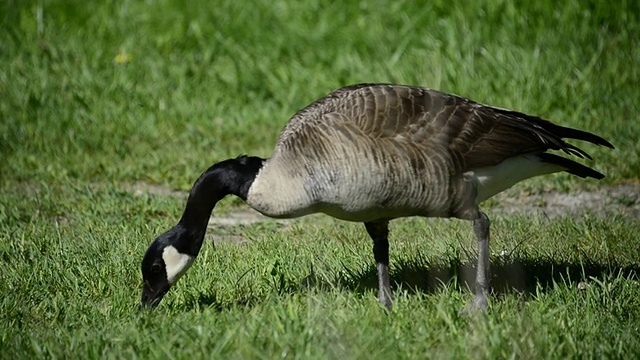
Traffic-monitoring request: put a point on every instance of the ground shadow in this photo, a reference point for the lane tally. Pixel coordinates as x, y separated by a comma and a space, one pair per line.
523, 276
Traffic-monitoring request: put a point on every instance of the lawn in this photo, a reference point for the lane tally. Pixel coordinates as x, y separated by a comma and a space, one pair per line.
110, 110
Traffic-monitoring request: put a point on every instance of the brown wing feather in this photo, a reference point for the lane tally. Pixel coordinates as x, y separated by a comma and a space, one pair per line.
475, 135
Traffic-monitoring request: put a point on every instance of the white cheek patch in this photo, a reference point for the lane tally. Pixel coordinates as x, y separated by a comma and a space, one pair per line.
175, 263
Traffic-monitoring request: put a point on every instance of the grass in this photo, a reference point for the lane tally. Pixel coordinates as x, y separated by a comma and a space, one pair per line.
96, 97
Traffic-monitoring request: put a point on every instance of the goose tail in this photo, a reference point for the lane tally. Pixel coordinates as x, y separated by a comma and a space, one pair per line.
570, 166
553, 134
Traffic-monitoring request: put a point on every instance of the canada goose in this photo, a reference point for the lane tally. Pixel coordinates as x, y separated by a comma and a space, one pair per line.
372, 153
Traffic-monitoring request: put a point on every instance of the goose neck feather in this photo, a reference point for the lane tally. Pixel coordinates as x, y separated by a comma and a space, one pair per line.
232, 176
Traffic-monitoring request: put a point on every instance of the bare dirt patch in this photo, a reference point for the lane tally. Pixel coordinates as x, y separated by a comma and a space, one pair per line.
245, 216
621, 199
242, 217
143, 188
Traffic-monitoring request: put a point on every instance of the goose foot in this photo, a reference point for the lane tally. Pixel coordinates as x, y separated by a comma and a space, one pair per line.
379, 232
481, 303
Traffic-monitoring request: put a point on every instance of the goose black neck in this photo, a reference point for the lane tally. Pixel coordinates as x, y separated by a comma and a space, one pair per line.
232, 176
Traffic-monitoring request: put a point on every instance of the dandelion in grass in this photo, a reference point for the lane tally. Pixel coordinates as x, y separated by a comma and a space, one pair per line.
122, 58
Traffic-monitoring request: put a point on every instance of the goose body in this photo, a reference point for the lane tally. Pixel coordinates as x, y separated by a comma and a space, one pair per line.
368, 152
372, 153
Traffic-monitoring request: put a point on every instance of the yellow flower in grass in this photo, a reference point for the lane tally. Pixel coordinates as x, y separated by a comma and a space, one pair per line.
122, 58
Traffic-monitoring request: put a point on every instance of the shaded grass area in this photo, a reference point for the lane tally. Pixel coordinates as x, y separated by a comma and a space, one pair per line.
96, 96
525, 276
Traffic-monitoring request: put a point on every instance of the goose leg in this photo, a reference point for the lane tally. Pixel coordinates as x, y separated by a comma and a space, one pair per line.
483, 287
379, 232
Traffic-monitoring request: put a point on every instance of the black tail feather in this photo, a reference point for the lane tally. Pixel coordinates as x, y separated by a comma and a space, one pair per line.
570, 133
547, 128
570, 166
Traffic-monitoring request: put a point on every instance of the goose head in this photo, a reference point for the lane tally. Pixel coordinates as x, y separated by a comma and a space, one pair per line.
168, 257
172, 253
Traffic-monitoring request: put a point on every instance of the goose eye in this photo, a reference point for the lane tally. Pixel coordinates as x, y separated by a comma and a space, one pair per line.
156, 268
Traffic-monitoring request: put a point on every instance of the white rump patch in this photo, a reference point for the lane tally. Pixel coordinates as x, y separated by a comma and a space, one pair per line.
175, 263
494, 179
